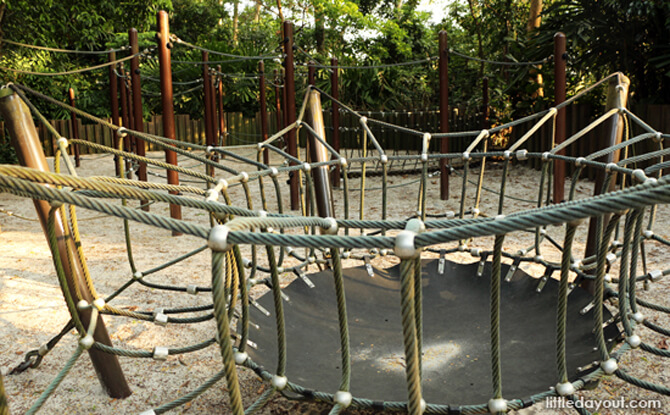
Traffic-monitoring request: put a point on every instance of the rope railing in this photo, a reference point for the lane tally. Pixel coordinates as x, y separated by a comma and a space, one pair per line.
50, 49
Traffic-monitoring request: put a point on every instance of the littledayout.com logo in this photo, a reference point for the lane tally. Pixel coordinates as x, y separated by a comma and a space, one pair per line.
559, 402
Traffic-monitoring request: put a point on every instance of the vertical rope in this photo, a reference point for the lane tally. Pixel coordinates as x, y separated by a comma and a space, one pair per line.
56, 382
279, 312
562, 306
412, 372
418, 310
496, 373
624, 267
342, 319
633, 260
223, 328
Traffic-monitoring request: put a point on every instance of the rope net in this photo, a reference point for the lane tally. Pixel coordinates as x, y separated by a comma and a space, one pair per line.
255, 241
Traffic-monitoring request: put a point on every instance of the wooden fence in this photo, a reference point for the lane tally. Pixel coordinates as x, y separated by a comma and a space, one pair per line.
246, 130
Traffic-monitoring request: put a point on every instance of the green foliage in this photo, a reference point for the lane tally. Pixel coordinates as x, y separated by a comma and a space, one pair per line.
615, 35
7, 153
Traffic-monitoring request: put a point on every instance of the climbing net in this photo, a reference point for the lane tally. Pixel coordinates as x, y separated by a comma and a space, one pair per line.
238, 234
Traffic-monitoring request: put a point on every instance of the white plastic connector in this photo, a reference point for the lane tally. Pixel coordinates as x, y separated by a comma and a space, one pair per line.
639, 175
121, 132
655, 275
538, 258
658, 136
476, 252
240, 357
634, 341
99, 303
244, 177
209, 150
610, 258
545, 155
148, 412
497, 405
404, 245
424, 157
332, 227
43, 350
306, 167
565, 389
501, 217
607, 278
279, 382
609, 366
465, 156
343, 162
507, 154
274, 172
192, 289
415, 225
161, 319
86, 342
450, 214
522, 155
383, 159
343, 398
82, 305
648, 234
222, 184
218, 238
160, 353
579, 161
62, 141
383, 252
637, 317
212, 195
610, 166
363, 120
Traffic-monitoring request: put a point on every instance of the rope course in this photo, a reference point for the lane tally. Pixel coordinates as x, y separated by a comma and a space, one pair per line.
255, 242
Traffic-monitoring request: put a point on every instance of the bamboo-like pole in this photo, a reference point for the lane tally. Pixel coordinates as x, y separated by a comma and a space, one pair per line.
335, 93
29, 150
264, 110
114, 105
560, 58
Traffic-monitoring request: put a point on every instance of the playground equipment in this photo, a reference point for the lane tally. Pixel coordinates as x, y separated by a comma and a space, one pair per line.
395, 338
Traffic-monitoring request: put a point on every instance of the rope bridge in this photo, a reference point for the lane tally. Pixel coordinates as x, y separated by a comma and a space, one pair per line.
251, 247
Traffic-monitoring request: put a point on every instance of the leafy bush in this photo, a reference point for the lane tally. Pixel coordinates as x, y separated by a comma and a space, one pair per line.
7, 153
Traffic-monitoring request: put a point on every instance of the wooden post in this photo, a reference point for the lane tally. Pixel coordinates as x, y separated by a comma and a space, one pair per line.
311, 73
165, 62
560, 58
207, 90
75, 128
125, 112
444, 112
289, 87
278, 114
319, 153
114, 106
617, 97
28, 148
264, 110
335, 92
222, 119
138, 117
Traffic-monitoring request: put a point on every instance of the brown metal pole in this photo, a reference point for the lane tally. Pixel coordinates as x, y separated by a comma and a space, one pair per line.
207, 82
138, 117
335, 93
28, 148
485, 102
283, 101
560, 58
617, 97
75, 128
125, 113
289, 87
278, 114
264, 110
311, 73
165, 62
444, 112
114, 106
319, 153
222, 118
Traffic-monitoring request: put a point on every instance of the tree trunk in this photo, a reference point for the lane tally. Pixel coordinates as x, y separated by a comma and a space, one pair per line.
257, 14
534, 20
319, 27
280, 12
236, 19
477, 20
